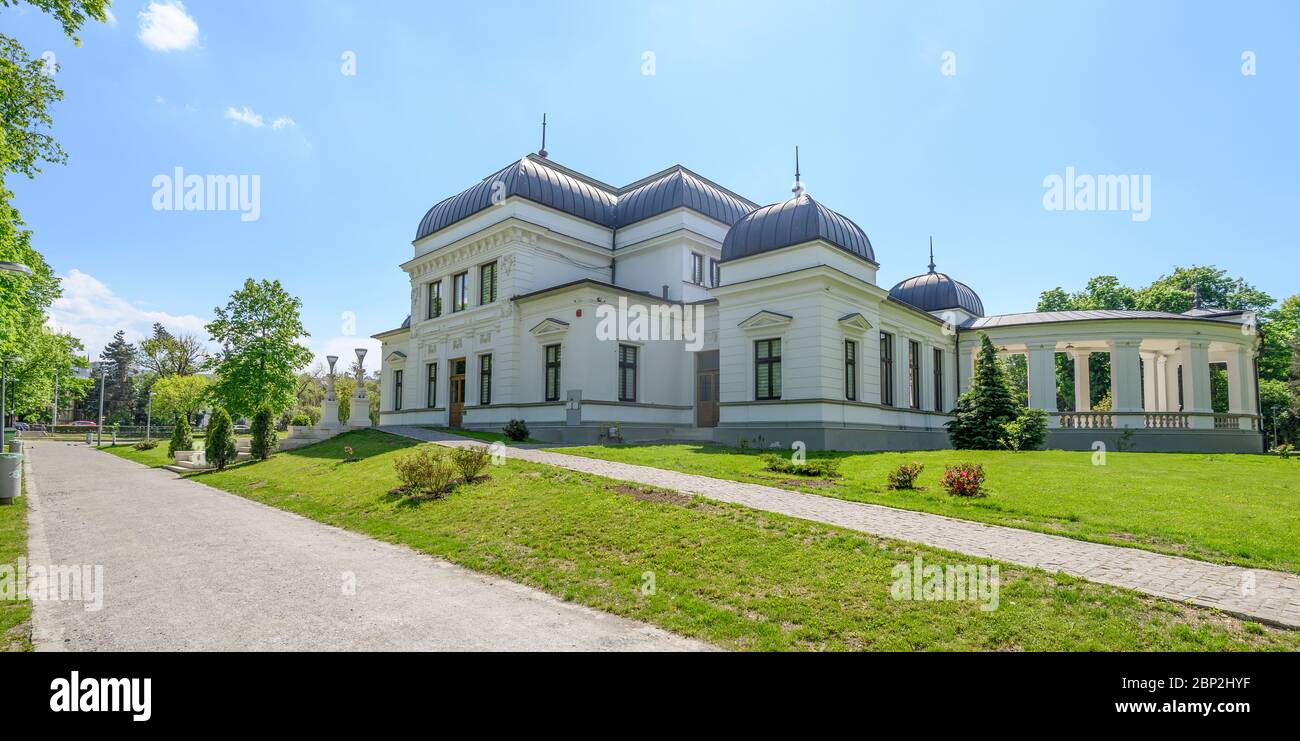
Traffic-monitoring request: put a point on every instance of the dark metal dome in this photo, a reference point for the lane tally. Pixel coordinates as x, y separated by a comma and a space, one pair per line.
532, 178
678, 188
936, 292
798, 220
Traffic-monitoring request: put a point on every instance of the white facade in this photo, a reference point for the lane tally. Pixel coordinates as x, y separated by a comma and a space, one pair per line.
858, 368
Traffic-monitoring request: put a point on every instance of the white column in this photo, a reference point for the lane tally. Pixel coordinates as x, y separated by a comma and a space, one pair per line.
1162, 382
1125, 380
1241, 386
1042, 376
1196, 381
1148, 380
1173, 361
1082, 381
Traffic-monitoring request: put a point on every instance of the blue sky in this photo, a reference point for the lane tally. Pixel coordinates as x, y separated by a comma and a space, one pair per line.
444, 94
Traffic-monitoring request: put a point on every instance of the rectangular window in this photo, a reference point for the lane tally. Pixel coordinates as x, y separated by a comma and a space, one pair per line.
767, 369
487, 283
435, 300
397, 390
459, 291
914, 373
433, 385
886, 369
697, 268
627, 372
938, 379
850, 370
485, 379
552, 356
715, 273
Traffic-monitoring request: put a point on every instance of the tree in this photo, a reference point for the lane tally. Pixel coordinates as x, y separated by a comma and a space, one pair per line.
1278, 403
264, 440
258, 331
46, 355
180, 395
986, 406
172, 355
181, 438
219, 447
117, 362
1281, 327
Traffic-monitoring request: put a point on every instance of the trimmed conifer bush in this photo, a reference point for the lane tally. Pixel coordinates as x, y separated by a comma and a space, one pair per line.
182, 439
264, 439
220, 444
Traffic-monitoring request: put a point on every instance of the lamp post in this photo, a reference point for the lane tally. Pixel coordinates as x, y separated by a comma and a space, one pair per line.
148, 418
1276, 411
4, 393
99, 427
14, 268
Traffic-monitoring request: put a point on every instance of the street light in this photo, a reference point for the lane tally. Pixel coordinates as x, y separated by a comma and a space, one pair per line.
14, 268
99, 428
148, 419
1276, 412
4, 390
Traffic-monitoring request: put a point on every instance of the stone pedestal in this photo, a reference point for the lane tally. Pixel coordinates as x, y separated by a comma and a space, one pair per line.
358, 412
329, 415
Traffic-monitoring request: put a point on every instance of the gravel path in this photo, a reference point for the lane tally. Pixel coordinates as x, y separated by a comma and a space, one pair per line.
190, 568
1257, 594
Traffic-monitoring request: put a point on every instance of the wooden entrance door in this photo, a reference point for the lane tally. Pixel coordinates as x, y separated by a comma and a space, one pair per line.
456, 392
706, 389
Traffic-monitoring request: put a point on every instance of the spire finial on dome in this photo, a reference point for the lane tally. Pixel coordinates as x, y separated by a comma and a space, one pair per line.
931, 253
798, 184
1196, 295
542, 152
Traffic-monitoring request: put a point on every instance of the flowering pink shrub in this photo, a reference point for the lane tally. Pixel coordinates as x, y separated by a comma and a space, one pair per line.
904, 477
963, 479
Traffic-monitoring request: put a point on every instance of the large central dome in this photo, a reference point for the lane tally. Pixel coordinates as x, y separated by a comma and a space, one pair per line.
798, 220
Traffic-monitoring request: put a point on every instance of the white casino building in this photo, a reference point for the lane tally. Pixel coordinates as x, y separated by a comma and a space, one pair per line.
510, 280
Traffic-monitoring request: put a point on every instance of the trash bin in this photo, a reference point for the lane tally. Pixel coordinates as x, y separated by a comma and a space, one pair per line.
15, 446
11, 476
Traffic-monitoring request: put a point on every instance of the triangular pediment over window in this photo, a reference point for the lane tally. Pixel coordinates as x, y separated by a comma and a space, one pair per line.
855, 321
550, 326
766, 320
395, 356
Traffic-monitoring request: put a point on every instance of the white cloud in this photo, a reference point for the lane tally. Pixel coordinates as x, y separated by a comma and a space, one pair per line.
284, 122
108, 16
92, 312
246, 116
165, 26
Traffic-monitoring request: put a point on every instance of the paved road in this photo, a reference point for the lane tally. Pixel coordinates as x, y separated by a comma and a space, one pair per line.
188, 567
1259, 594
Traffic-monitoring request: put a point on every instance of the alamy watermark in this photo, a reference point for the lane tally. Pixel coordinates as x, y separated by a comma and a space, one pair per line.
53, 583
1082, 192
949, 582
629, 322
181, 192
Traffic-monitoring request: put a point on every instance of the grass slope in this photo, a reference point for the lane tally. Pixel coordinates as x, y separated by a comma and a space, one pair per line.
15, 615
738, 577
1239, 509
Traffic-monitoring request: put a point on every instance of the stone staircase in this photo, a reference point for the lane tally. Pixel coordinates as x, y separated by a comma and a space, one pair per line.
196, 460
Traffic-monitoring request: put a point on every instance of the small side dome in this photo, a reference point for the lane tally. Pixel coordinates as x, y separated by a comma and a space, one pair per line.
933, 292
798, 220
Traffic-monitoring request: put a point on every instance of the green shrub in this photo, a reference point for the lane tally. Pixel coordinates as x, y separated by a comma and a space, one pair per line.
220, 444
826, 468
904, 477
470, 460
181, 437
1284, 451
300, 420
516, 429
963, 480
425, 470
146, 444
264, 438
1026, 432
986, 405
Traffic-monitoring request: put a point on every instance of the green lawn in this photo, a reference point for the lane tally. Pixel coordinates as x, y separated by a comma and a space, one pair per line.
741, 578
15, 615
1240, 509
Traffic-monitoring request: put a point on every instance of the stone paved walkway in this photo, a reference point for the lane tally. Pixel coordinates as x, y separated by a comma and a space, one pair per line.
187, 567
1257, 594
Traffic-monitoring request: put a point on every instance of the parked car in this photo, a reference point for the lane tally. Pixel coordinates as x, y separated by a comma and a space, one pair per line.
82, 423
241, 429
22, 426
